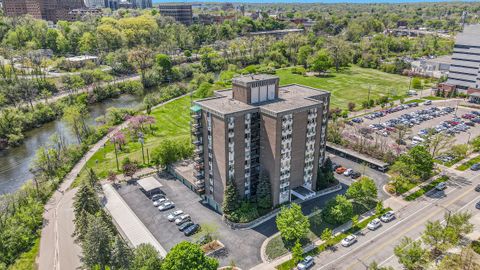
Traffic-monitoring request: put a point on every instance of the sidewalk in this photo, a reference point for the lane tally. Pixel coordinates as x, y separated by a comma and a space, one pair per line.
127, 222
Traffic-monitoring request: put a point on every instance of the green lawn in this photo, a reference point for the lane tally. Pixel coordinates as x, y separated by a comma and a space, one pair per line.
425, 189
433, 98
352, 84
172, 122
465, 166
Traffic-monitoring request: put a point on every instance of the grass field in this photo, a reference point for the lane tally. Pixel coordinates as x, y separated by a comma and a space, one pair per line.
172, 122
352, 84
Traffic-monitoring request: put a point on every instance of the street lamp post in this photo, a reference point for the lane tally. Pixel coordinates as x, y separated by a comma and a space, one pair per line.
141, 140
116, 153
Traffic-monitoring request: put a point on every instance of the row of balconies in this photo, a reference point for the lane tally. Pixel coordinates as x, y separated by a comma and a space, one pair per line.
284, 185
231, 125
198, 150
285, 175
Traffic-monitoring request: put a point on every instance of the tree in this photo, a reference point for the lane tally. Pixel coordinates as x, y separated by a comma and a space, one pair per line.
129, 167
327, 236
465, 260
339, 52
204, 90
231, 201
436, 142
321, 62
96, 244
142, 57
303, 54
338, 210
363, 192
418, 161
374, 266
264, 193
325, 175
351, 106
122, 255
416, 83
411, 254
297, 252
170, 151
435, 235
292, 223
186, 255
164, 62
379, 208
146, 257
85, 203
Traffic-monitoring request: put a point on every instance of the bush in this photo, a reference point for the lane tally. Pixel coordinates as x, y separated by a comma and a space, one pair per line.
247, 212
298, 70
338, 210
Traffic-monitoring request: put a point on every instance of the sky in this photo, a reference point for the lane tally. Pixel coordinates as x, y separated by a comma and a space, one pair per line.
314, 1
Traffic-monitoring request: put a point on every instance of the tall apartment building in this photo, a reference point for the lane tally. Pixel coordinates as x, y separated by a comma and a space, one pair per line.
112, 4
95, 3
464, 71
258, 128
50, 10
182, 13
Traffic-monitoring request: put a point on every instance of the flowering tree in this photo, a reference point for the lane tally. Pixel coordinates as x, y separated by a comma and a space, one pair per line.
138, 122
118, 139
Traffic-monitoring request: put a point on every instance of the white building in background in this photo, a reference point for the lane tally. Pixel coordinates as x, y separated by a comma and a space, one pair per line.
95, 3
464, 70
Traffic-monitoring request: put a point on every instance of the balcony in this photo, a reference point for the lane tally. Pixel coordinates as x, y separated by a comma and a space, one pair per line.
196, 125
197, 143
198, 151
231, 125
231, 134
199, 175
196, 132
201, 191
200, 183
198, 159
196, 116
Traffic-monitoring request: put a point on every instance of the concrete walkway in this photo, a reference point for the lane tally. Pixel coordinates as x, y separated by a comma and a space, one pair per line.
129, 224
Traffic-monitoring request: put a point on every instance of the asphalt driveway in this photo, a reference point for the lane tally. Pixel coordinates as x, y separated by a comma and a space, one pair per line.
242, 246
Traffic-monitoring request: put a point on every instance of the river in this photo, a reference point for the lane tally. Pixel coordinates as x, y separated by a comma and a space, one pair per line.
15, 162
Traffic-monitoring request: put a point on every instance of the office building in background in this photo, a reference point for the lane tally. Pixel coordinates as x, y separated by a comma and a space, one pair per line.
182, 13
50, 10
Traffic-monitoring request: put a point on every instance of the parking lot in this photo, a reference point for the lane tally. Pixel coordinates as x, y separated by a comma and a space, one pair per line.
243, 246
461, 123
380, 178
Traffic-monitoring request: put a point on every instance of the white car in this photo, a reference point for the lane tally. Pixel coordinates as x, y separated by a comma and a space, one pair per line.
305, 263
374, 224
166, 206
441, 186
348, 172
182, 219
387, 217
174, 215
159, 202
349, 240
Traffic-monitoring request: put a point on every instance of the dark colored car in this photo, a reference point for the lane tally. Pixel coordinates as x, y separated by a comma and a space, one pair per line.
477, 188
191, 230
355, 175
472, 124
185, 225
475, 167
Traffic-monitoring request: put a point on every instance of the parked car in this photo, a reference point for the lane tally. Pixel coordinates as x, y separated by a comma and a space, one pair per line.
348, 172
191, 230
355, 175
475, 167
185, 225
387, 217
182, 219
305, 263
477, 188
357, 120
349, 240
157, 197
477, 205
441, 186
174, 215
160, 201
428, 102
166, 206
374, 224
340, 170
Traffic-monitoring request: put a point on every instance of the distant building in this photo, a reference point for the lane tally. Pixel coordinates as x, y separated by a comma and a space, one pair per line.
182, 13
276, 33
141, 3
49, 10
112, 4
260, 129
464, 71
432, 67
79, 14
95, 3
211, 19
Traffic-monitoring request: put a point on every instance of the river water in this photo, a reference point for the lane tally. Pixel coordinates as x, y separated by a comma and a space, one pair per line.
15, 162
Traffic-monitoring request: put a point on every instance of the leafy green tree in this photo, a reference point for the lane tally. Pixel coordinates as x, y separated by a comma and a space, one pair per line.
264, 193
292, 223
325, 175
411, 254
418, 161
122, 255
374, 266
438, 237
416, 83
327, 236
303, 55
321, 62
96, 244
338, 210
170, 151
186, 255
297, 252
146, 257
129, 167
340, 52
231, 200
204, 90
363, 191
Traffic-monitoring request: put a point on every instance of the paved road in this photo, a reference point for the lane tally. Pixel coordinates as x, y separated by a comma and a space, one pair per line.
378, 245
58, 249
